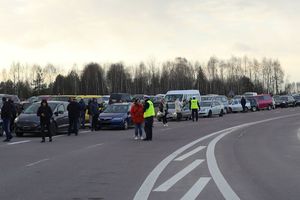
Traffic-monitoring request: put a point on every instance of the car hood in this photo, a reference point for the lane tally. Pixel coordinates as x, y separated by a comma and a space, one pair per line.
28, 118
112, 115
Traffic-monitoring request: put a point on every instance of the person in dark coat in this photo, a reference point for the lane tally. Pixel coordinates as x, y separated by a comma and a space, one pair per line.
6, 115
95, 113
243, 103
82, 113
74, 114
45, 113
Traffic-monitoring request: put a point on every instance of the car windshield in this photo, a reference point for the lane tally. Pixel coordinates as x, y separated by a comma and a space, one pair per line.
205, 104
235, 102
173, 97
284, 98
34, 108
206, 98
113, 108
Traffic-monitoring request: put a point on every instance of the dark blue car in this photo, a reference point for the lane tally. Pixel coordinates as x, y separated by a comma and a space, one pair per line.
116, 116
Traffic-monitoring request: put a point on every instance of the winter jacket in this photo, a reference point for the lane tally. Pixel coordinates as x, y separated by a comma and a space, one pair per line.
73, 110
6, 110
82, 106
45, 113
137, 113
94, 109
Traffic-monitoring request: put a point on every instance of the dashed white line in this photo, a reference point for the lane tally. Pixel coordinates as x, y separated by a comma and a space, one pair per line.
93, 146
196, 150
19, 142
197, 188
37, 162
177, 177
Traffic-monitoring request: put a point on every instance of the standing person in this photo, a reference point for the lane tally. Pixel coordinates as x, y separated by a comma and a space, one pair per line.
89, 108
13, 115
178, 108
82, 113
163, 108
137, 116
195, 108
149, 113
45, 113
243, 102
6, 115
95, 113
74, 114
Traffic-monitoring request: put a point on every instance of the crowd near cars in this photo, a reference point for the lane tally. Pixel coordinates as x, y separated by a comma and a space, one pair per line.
114, 109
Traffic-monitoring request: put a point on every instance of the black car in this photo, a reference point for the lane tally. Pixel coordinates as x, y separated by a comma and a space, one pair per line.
253, 103
287, 101
120, 98
297, 100
29, 122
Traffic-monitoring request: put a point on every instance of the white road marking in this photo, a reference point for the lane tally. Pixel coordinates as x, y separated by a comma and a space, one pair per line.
215, 172
20, 142
177, 177
35, 163
93, 146
181, 158
197, 188
146, 188
85, 132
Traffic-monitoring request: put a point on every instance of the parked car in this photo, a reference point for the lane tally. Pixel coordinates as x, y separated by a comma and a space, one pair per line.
236, 106
182, 95
253, 104
105, 99
264, 101
287, 101
210, 108
116, 115
297, 100
250, 94
185, 113
120, 98
29, 122
65, 98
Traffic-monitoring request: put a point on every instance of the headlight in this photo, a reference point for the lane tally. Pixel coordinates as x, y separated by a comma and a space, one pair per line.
16, 120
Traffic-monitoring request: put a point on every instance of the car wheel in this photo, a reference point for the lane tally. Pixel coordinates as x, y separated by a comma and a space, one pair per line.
254, 109
53, 129
269, 107
230, 110
221, 113
19, 134
209, 114
125, 125
246, 109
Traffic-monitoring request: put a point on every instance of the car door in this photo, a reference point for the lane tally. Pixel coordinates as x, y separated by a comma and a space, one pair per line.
214, 108
62, 120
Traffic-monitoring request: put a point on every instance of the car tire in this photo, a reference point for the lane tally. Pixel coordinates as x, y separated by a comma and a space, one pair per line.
19, 134
254, 109
209, 114
125, 127
230, 110
221, 113
269, 107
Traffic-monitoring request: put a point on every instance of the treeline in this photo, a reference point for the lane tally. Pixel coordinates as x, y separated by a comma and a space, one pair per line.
233, 76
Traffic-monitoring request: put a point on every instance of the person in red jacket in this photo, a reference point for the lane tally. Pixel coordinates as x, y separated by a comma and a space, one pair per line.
137, 116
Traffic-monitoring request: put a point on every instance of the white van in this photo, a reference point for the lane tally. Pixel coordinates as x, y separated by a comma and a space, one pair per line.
182, 95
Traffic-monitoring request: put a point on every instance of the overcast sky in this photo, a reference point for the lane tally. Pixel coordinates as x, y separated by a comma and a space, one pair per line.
64, 32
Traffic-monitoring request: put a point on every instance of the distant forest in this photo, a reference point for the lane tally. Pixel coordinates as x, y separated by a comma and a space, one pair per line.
229, 77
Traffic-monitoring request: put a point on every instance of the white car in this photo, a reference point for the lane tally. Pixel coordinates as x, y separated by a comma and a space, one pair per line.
236, 106
210, 108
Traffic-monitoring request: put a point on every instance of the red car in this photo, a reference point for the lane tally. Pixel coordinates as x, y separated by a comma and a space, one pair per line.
265, 101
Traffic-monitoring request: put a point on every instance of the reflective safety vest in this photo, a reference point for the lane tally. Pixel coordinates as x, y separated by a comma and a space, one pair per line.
150, 112
194, 104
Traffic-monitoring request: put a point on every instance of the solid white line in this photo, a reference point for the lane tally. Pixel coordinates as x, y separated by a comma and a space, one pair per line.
181, 158
177, 177
20, 142
35, 163
197, 188
146, 188
93, 146
215, 172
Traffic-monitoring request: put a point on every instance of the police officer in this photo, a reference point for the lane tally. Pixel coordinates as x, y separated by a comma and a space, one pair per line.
149, 113
195, 107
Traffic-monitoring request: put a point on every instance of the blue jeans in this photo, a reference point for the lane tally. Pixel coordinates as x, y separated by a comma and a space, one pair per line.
138, 129
6, 128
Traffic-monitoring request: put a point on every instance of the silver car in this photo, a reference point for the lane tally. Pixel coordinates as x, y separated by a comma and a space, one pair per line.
185, 113
210, 108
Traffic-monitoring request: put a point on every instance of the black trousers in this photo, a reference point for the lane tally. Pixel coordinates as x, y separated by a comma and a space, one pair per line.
73, 125
94, 122
148, 127
165, 121
46, 126
195, 114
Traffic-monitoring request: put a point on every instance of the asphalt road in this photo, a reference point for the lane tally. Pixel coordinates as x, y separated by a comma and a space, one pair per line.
238, 156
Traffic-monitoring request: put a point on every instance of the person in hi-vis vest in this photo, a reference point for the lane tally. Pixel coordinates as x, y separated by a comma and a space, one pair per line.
195, 106
149, 113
